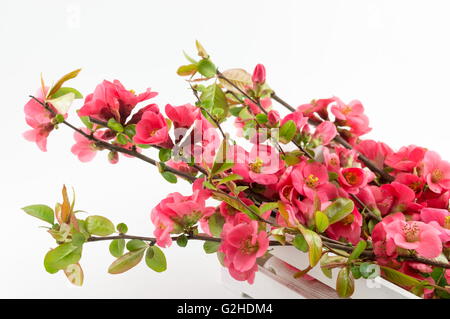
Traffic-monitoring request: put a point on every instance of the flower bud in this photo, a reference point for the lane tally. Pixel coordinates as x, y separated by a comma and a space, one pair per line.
259, 74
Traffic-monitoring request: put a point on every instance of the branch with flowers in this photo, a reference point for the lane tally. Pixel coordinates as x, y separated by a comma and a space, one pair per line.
308, 180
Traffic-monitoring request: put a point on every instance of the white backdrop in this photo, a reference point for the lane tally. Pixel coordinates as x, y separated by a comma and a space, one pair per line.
392, 55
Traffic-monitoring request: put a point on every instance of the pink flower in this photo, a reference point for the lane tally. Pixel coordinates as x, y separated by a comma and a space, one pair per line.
320, 106
112, 100
375, 151
176, 213
265, 103
152, 129
39, 119
273, 117
331, 160
352, 115
259, 74
439, 219
261, 165
413, 235
406, 158
354, 178
414, 182
242, 244
436, 172
182, 167
298, 118
348, 228
230, 213
183, 115
84, 148
325, 133
394, 197
310, 179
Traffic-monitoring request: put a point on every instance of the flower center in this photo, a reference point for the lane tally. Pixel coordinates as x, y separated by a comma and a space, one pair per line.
351, 178
347, 220
436, 176
447, 222
312, 181
346, 109
247, 247
153, 132
411, 232
415, 186
256, 165
333, 161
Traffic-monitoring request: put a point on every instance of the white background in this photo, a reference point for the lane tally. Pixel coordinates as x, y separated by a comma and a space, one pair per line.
392, 55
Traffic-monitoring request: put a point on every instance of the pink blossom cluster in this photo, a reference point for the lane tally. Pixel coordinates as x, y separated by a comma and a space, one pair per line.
413, 204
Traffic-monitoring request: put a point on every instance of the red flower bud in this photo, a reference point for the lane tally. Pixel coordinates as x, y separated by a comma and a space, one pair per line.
259, 74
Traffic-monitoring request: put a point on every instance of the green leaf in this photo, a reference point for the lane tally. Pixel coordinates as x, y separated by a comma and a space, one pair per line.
300, 243
230, 178
170, 177
99, 225
261, 118
339, 209
321, 221
74, 274
328, 262
78, 239
239, 78
215, 222
135, 244
209, 185
345, 284
122, 228
206, 68
189, 58
62, 256
268, 206
165, 154
115, 126
287, 131
236, 110
61, 81
362, 244
211, 247
314, 244
369, 270
155, 259
116, 247
43, 212
87, 122
126, 262
399, 278
122, 139
356, 272
214, 98
186, 70
182, 241
64, 90
130, 130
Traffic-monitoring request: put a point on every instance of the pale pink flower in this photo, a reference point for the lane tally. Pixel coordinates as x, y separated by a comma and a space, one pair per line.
325, 132
406, 158
183, 115
436, 172
439, 219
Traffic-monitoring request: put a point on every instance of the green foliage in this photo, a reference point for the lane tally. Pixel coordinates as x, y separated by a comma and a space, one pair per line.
61, 81
369, 270
211, 247
170, 177
314, 244
300, 243
182, 241
213, 98
230, 178
115, 126
206, 68
62, 256
186, 70
216, 222
117, 247
122, 228
345, 283
339, 209
360, 247
99, 225
155, 259
165, 154
136, 244
64, 90
321, 221
43, 212
126, 262
287, 132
